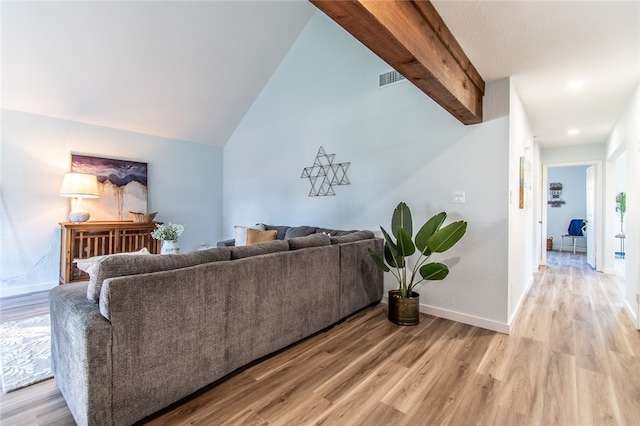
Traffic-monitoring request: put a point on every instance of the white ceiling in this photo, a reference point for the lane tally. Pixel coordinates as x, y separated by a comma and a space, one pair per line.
544, 45
191, 70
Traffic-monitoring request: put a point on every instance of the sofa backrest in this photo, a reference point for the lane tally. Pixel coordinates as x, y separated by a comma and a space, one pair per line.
313, 240
119, 266
257, 249
351, 237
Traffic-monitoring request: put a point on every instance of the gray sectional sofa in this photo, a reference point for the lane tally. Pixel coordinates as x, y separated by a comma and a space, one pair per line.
149, 330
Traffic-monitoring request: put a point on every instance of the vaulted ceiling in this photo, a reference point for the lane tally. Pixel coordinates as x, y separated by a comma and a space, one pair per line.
182, 70
191, 70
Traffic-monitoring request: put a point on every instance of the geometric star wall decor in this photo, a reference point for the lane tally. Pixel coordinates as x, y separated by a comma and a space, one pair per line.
324, 175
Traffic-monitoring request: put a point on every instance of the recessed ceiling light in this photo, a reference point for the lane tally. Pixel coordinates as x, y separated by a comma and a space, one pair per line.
573, 132
576, 84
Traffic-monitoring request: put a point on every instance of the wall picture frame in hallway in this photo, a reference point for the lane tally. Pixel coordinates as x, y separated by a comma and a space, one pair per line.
525, 183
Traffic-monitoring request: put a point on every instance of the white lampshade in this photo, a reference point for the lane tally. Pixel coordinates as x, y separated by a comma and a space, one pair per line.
83, 185
79, 185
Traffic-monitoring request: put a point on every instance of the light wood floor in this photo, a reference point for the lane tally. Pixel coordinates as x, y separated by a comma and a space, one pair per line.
572, 359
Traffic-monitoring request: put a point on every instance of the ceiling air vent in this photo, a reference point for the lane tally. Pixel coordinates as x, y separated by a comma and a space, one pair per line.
390, 77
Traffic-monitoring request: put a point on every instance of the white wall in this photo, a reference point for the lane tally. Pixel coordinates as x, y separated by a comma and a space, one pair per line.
522, 245
185, 186
402, 147
626, 137
574, 194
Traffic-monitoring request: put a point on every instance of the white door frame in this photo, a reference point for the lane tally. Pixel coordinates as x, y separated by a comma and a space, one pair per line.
598, 214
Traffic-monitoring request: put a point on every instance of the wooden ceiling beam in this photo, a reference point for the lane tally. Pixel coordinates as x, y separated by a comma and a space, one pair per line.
412, 38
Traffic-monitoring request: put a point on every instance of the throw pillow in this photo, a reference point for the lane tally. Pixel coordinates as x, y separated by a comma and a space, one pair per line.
240, 233
299, 231
282, 230
255, 236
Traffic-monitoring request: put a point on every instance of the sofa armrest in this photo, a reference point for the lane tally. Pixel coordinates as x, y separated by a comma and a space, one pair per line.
81, 342
226, 243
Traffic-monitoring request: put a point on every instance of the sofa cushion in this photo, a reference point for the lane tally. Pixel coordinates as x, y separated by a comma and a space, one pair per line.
333, 232
255, 236
354, 236
313, 240
282, 230
118, 266
240, 233
258, 249
299, 231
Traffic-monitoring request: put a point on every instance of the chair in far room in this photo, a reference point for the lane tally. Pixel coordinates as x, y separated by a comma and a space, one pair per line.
575, 231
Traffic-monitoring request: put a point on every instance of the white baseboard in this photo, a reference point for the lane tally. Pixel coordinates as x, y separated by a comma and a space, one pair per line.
460, 317
632, 315
518, 306
609, 271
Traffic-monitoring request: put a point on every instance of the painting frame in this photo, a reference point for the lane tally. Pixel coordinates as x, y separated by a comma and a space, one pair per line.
525, 183
122, 184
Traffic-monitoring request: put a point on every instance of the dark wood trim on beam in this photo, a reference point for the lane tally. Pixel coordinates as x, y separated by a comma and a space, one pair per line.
412, 38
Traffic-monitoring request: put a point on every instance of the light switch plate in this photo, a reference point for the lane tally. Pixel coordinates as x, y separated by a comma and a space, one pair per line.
458, 197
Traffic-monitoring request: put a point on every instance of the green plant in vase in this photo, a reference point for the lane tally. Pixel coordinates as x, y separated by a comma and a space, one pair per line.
621, 207
168, 234
399, 246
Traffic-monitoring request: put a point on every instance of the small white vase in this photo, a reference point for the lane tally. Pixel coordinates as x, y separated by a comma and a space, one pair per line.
170, 247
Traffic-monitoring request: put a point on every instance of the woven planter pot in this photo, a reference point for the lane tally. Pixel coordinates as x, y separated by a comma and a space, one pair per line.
404, 310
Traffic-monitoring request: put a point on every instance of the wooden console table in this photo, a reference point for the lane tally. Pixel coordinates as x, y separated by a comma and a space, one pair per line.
84, 240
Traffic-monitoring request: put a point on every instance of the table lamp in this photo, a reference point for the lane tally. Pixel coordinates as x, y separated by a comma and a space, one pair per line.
79, 185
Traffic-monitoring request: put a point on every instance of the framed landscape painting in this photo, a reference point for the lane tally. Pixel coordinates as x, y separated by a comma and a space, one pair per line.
122, 185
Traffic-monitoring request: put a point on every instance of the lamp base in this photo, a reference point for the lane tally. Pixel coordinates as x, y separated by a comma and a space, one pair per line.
79, 216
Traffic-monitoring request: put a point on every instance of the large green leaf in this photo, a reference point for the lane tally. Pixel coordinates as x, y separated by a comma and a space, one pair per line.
402, 219
393, 259
427, 230
405, 245
388, 241
378, 261
434, 271
445, 238
391, 254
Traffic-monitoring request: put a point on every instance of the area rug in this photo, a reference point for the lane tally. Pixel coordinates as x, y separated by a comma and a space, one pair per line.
25, 352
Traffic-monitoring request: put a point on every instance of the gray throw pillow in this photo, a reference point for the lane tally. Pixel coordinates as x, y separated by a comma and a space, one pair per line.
333, 232
282, 230
299, 231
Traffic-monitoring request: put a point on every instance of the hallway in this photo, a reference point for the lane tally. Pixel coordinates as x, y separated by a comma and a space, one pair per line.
574, 321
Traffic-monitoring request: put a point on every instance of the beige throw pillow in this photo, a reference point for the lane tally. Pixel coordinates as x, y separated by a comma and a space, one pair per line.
255, 236
240, 233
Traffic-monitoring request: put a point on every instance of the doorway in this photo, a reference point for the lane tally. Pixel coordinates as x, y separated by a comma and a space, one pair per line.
556, 225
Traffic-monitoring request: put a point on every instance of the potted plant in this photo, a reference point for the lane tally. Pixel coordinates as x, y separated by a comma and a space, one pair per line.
621, 207
169, 234
404, 302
